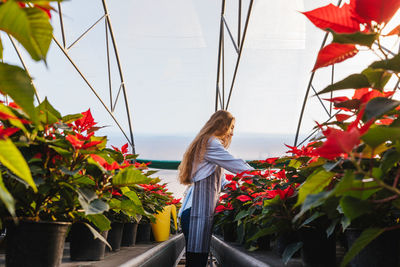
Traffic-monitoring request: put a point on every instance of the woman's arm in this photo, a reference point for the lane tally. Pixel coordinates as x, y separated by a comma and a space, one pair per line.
217, 154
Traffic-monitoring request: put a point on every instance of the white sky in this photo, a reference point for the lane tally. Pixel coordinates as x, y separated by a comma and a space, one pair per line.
168, 51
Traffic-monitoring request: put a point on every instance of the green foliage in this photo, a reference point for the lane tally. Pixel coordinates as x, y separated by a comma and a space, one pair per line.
353, 81
315, 183
16, 83
29, 26
365, 39
12, 158
365, 238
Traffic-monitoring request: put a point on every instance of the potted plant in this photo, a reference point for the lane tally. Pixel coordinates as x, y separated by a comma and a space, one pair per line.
359, 153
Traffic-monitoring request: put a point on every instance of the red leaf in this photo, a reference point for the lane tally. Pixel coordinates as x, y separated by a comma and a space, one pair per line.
338, 19
124, 148
86, 122
75, 142
6, 132
338, 143
336, 100
243, 198
334, 53
376, 10
342, 117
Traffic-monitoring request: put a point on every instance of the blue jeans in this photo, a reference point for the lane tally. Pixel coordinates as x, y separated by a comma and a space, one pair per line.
185, 220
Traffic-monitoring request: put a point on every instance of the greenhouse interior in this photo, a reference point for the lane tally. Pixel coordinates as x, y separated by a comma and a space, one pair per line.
200, 133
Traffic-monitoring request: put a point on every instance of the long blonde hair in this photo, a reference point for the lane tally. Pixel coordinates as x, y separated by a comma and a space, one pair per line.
217, 126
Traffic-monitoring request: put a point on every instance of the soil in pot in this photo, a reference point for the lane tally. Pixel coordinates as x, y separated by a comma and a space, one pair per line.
382, 251
114, 236
83, 246
318, 250
143, 233
38, 244
129, 234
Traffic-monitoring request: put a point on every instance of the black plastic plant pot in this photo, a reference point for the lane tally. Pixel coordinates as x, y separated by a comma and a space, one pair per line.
114, 236
285, 239
39, 244
382, 251
229, 232
318, 250
129, 234
143, 233
264, 242
83, 246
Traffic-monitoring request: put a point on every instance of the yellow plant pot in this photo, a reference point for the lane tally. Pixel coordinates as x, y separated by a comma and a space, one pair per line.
162, 225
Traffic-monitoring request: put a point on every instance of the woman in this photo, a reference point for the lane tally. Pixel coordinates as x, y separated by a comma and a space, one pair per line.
201, 166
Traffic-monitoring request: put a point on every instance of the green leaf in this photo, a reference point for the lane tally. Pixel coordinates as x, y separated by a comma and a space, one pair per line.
389, 160
354, 207
315, 183
353, 81
16, 83
7, 198
12, 158
97, 206
130, 176
380, 134
97, 234
71, 117
263, 232
15, 122
100, 221
313, 217
365, 39
134, 197
47, 113
129, 207
242, 214
377, 78
295, 163
290, 250
1, 49
61, 151
392, 64
30, 26
331, 228
379, 106
365, 238
312, 201
41, 30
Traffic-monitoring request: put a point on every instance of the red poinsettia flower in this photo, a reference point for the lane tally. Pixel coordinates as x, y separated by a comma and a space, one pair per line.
269, 160
243, 198
86, 122
376, 10
229, 177
7, 132
174, 201
338, 19
281, 174
340, 143
109, 167
283, 194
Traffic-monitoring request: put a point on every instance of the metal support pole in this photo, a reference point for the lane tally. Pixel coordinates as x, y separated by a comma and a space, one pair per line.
217, 92
240, 51
91, 88
121, 76
61, 24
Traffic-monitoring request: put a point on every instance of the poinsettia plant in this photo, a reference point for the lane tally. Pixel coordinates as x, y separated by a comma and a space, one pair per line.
359, 153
